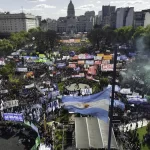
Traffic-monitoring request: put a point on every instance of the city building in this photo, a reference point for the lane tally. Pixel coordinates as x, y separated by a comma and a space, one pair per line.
142, 18
113, 20
107, 12
73, 24
49, 24
124, 17
17, 22
99, 18
139, 18
147, 19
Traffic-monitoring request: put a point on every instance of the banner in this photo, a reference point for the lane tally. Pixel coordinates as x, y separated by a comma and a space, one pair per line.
88, 56
97, 58
53, 105
82, 56
13, 117
71, 40
4, 91
80, 75
81, 62
86, 91
42, 56
15, 53
107, 67
10, 104
61, 65
100, 55
65, 58
72, 66
22, 69
107, 57
105, 61
2, 62
29, 86
89, 62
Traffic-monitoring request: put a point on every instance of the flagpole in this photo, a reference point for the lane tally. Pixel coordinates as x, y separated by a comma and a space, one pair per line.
112, 98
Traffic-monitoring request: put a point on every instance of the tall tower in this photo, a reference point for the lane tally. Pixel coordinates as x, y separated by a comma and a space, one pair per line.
71, 10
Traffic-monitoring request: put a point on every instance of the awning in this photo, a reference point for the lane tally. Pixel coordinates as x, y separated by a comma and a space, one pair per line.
92, 133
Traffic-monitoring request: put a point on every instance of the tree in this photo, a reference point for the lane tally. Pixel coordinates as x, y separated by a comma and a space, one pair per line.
96, 36
139, 32
8, 69
19, 39
6, 47
124, 34
46, 41
109, 35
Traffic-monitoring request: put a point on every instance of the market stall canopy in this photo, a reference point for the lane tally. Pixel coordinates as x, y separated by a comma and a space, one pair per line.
92, 133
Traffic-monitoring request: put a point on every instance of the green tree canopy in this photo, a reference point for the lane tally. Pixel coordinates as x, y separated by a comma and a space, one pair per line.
6, 47
19, 39
46, 41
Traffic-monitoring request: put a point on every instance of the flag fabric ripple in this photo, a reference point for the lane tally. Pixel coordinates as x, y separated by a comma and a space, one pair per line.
96, 105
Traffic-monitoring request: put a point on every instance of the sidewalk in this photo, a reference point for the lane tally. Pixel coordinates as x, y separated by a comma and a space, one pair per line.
124, 127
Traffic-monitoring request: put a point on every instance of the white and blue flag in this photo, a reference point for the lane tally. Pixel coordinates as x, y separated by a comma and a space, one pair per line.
96, 105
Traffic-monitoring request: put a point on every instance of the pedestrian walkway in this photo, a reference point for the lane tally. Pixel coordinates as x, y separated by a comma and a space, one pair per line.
133, 127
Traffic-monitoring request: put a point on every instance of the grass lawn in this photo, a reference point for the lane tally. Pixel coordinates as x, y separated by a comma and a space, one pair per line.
142, 131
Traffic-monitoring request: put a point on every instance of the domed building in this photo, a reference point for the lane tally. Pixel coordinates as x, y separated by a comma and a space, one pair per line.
72, 24
71, 20
71, 11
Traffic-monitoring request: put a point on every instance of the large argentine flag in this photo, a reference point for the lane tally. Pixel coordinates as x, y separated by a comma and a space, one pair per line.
96, 105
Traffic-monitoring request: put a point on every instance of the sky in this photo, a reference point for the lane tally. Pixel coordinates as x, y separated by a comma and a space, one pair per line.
58, 8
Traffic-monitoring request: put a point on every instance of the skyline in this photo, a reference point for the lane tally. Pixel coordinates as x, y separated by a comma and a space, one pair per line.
54, 8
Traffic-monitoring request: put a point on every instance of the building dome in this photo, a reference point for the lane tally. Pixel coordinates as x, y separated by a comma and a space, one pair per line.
71, 10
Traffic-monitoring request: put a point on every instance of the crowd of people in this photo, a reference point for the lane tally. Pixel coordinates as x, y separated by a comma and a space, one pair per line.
40, 95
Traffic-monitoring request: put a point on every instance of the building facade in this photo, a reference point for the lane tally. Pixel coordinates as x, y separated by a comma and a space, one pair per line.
49, 24
98, 18
139, 18
124, 17
10, 23
73, 24
107, 12
142, 18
